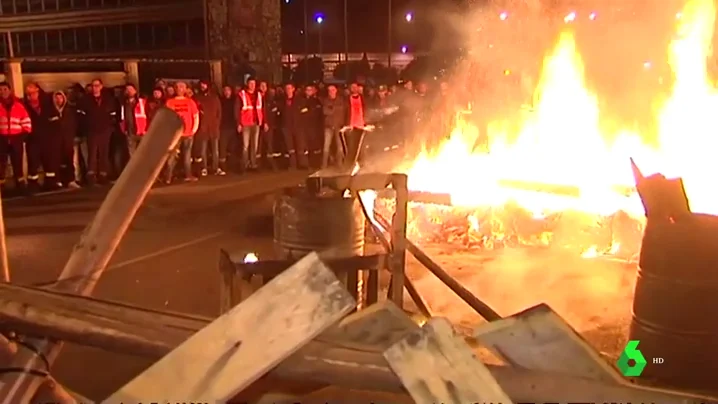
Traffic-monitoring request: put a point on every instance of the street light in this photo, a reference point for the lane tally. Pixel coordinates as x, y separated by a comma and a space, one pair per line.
409, 17
404, 49
319, 19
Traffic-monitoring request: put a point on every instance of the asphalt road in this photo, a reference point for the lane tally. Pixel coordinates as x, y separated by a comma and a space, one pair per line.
167, 260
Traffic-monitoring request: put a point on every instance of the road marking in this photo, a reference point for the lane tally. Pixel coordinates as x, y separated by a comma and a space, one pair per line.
166, 250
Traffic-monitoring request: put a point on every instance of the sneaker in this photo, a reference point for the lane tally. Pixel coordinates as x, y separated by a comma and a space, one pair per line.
220, 172
190, 179
203, 173
73, 185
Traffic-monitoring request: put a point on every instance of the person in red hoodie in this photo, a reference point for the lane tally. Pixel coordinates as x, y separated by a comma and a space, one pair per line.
188, 111
15, 125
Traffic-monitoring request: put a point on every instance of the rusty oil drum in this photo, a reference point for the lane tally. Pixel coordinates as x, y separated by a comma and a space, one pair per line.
675, 308
304, 222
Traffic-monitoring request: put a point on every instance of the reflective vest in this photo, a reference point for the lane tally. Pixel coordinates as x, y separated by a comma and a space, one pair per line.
15, 120
140, 117
356, 112
247, 115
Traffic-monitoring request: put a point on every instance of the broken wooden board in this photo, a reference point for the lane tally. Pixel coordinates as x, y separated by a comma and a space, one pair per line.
539, 339
239, 347
375, 328
437, 367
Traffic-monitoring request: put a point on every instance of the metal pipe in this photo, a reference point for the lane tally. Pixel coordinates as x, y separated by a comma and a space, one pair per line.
346, 41
97, 244
480, 307
4, 263
306, 39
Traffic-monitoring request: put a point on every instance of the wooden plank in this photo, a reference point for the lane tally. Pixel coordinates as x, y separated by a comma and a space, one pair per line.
228, 289
239, 347
373, 329
437, 367
320, 363
539, 339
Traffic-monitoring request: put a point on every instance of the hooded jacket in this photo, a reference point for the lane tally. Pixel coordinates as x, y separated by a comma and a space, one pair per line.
63, 117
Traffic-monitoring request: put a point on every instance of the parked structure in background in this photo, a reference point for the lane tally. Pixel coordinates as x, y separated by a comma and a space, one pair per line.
331, 60
245, 35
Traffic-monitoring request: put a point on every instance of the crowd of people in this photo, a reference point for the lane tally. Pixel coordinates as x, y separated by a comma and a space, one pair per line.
86, 135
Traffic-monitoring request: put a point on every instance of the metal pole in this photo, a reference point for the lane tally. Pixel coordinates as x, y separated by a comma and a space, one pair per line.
97, 244
4, 265
321, 52
10, 47
306, 40
346, 41
389, 35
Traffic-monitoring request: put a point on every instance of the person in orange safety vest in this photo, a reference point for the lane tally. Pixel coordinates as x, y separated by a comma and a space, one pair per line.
133, 118
250, 119
15, 125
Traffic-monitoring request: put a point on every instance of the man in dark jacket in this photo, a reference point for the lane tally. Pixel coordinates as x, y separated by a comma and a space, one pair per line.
64, 125
271, 114
294, 138
335, 113
208, 135
311, 123
39, 145
99, 110
228, 135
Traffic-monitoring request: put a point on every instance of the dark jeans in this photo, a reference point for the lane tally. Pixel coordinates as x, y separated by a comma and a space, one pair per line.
201, 152
267, 147
332, 137
12, 146
98, 154
182, 150
354, 144
296, 142
33, 152
227, 143
133, 142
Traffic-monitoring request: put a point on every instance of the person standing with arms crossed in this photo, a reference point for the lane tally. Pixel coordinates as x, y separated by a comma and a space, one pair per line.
188, 111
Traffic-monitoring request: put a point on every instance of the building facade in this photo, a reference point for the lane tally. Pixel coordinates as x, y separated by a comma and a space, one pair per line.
240, 33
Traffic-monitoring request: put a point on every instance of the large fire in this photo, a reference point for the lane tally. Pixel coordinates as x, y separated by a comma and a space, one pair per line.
562, 145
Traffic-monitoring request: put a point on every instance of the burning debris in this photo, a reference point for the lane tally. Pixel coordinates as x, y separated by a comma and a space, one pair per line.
559, 175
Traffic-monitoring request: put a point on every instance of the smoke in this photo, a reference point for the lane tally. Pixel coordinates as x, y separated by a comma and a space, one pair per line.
623, 44
588, 293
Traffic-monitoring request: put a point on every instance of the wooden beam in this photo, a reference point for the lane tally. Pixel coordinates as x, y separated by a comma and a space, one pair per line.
437, 367
98, 242
374, 329
239, 347
270, 268
483, 309
106, 325
539, 339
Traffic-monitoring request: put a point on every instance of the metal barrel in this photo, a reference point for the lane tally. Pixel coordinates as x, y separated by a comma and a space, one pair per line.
304, 222
675, 307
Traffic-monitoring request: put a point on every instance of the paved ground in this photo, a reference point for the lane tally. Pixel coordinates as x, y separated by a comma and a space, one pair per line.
167, 260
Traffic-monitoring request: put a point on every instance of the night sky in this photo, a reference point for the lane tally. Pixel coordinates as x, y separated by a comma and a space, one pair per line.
367, 25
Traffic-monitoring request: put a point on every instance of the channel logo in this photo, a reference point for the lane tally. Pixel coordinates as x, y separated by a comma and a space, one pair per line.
631, 353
